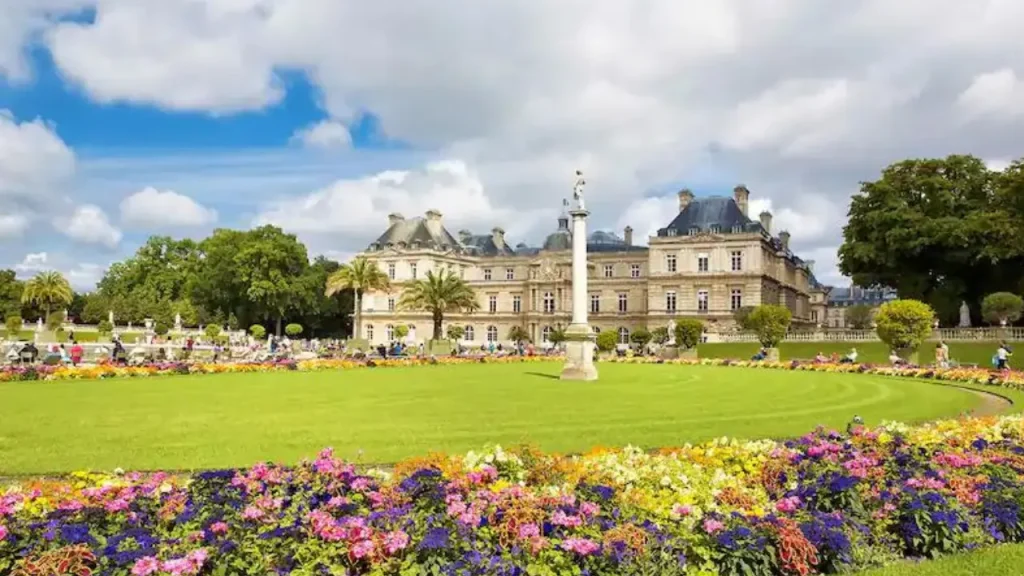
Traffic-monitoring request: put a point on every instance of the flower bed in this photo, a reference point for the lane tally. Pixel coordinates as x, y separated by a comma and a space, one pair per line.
821, 504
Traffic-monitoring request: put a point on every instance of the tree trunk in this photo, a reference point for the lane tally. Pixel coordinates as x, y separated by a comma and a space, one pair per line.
278, 329
438, 319
357, 314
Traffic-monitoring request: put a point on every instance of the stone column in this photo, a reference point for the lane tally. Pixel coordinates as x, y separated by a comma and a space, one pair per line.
579, 338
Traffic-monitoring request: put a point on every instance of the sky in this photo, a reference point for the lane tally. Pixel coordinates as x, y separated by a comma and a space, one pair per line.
120, 119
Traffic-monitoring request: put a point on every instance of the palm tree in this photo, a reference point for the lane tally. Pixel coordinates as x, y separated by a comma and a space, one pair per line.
439, 294
360, 275
47, 290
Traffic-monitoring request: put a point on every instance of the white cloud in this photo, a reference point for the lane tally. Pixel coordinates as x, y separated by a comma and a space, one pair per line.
89, 224
154, 208
33, 262
13, 225
82, 276
34, 161
324, 134
998, 94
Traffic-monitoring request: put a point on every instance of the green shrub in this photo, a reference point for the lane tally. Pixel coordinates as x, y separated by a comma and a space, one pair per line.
1001, 308
104, 327
54, 321
607, 340
518, 334
641, 337
741, 315
688, 332
770, 322
556, 336
659, 335
859, 316
212, 331
13, 323
293, 330
904, 324
455, 332
258, 332
161, 327
401, 331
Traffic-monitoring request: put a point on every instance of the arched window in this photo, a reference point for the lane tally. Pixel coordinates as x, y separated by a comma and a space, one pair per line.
545, 334
492, 333
597, 329
623, 335
369, 332
468, 334
389, 332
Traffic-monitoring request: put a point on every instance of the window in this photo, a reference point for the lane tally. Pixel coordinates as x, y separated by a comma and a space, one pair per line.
814, 315
736, 299
608, 270
702, 262
595, 303
391, 304
492, 333
634, 271
412, 270
369, 332
391, 271
623, 302
670, 301
545, 334
549, 303
462, 272
492, 304
389, 332
623, 335
517, 304
468, 334
736, 258
670, 263
510, 274
702, 300
487, 273
596, 329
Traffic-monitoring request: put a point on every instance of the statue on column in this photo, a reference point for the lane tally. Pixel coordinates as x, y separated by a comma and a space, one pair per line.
965, 315
671, 333
177, 322
577, 190
110, 317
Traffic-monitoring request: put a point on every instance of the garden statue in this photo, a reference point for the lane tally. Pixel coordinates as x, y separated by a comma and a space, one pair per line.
411, 336
110, 317
671, 333
965, 316
39, 325
577, 190
177, 322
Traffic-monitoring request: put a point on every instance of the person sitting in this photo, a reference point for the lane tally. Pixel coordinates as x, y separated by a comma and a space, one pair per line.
942, 355
820, 358
895, 359
761, 355
850, 358
29, 353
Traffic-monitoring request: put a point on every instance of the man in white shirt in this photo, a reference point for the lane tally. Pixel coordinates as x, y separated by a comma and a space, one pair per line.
1002, 357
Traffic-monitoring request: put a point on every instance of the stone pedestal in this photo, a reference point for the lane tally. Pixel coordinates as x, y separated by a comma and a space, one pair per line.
579, 353
579, 337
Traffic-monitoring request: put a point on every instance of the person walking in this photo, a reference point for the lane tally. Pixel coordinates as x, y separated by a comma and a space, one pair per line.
1003, 354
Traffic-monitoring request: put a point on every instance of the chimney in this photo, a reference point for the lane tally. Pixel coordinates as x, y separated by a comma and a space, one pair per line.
499, 236
395, 218
433, 216
464, 236
784, 238
742, 196
810, 265
627, 235
766, 221
685, 197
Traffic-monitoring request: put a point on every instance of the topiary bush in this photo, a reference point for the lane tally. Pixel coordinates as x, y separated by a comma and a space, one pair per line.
161, 327
607, 340
641, 337
904, 324
770, 322
258, 332
212, 331
659, 335
54, 321
104, 327
293, 330
13, 323
401, 331
1002, 308
688, 332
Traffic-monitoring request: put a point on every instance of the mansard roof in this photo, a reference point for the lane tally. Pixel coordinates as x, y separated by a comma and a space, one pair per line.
710, 214
484, 245
417, 232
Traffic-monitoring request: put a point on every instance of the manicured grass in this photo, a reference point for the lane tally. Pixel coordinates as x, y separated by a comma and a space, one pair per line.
1001, 561
979, 353
382, 415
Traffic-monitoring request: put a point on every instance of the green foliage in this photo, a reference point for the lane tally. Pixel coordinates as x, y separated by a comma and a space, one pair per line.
54, 321
688, 332
13, 323
95, 309
859, 316
518, 334
1001, 308
48, 290
10, 292
258, 331
641, 337
161, 328
401, 331
358, 277
293, 330
740, 315
770, 322
455, 332
212, 331
606, 340
556, 336
904, 324
232, 321
104, 327
659, 334
439, 294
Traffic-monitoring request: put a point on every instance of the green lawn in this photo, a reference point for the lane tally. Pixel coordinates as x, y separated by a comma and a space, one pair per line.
872, 352
382, 415
1000, 561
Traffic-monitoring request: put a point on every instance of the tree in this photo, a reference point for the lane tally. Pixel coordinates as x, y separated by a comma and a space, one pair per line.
10, 293
641, 337
271, 266
293, 329
13, 323
439, 294
518, 334
659, 334
54, 321
48, 290
606, 340
104, 327
212, 331
770, 322
688, 333
1001, 308
96, 308
161, 328
360, 276
258, 332
904, 324
456, 332
740, 315
938, 230
401, 331
859, 316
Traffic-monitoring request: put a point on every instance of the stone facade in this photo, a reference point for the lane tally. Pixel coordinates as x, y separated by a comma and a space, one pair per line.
709, 261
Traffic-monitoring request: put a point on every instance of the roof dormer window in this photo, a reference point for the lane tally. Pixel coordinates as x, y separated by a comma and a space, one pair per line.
737, 229
693, 231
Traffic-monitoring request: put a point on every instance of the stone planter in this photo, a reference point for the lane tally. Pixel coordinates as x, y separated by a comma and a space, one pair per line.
772, 355
909, 355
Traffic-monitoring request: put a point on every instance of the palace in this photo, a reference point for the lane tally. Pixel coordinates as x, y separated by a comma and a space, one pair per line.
708, 261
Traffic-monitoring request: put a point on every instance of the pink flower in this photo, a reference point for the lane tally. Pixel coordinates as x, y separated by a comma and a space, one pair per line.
252, 513
177, 566
145, 566
219, 527
360, 484
581, 546
589, 509
3, 531
527, 531
395, 541
560, 518
788, 505
470, 518
682, 510
362, 549
713, 526
197, 558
